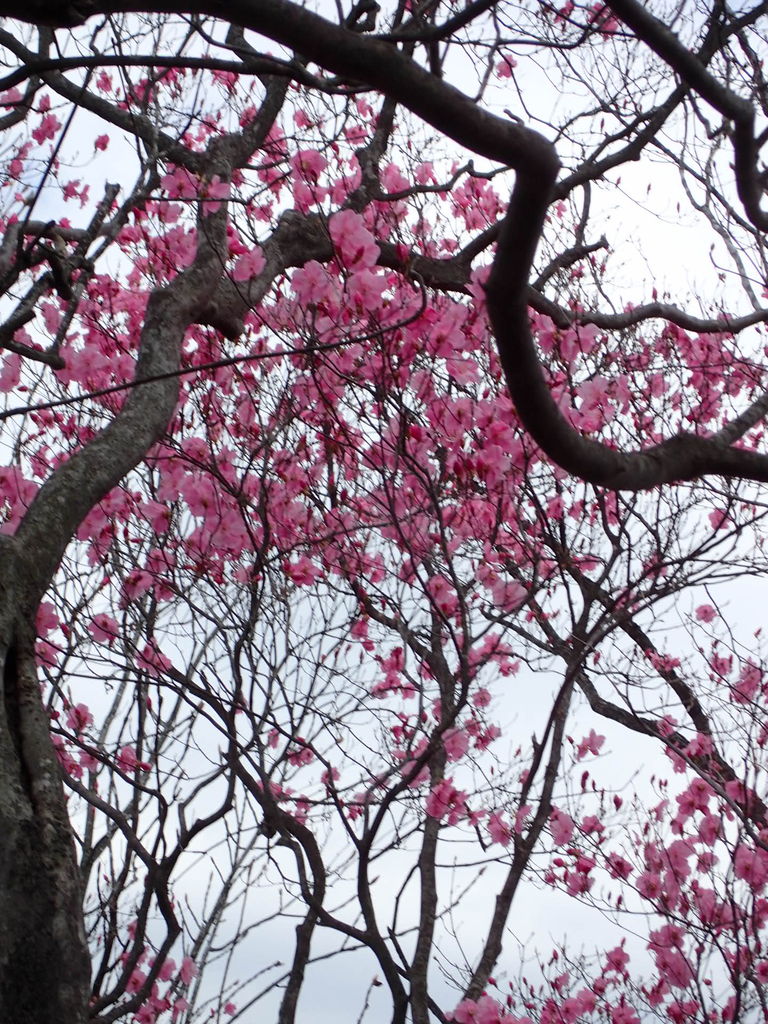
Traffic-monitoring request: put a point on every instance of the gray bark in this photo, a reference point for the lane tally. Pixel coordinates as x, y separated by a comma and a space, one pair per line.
44, 970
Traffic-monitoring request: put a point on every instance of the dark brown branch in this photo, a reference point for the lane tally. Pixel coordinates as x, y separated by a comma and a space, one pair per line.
256, 65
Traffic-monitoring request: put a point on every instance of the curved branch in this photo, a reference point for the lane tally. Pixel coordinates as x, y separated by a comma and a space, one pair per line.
73, 489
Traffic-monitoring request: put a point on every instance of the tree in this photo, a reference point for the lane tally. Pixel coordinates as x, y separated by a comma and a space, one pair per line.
313, 443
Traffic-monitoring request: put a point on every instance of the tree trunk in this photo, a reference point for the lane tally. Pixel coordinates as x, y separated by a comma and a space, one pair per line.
44, 963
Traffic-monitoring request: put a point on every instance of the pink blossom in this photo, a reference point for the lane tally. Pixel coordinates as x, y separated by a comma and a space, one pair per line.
752, 867
72, 189
705, 613
128, 762
311, 283
589, 745
249, 265
365, 288
424, 173
179, 1006
179, 183
522, 814
46, 654
10, 98
721, 664
585, 1000
673, 967
47, 129
66, 760
136, 583
603, 18
168, 969
677, 855
10, 375
103, 629
46, 619
508, 595
700, 746
499, 830
649, 885
556, 507
561, 827
302, 754
444, 799
146, 1014
152, 661
750, 681
616, 960
481, 698
79, 718
187, 971
456, 743
444, 595
393, 180
591, 824
157, 515
618, 866
303, 571
719, 519
506, 66
214, 191
136, 980
309, 164
487, 736
623, 1014
669, 936
352, 240
484, 1011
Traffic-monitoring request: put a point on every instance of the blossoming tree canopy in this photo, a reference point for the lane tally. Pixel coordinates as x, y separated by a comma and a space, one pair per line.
338, 586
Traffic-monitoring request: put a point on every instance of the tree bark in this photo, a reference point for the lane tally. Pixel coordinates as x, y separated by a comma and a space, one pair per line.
44, 968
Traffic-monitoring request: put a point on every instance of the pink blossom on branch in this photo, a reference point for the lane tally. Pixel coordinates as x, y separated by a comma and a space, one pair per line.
152, 661
188, 970
445, 800
591, 744
706, 613
561, 827
79, 718
309, 164
353, 242
499, 830
127, 761
485, 1010
303, 571
249, 265
456, 743
104, 629
505, 66
47, 129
